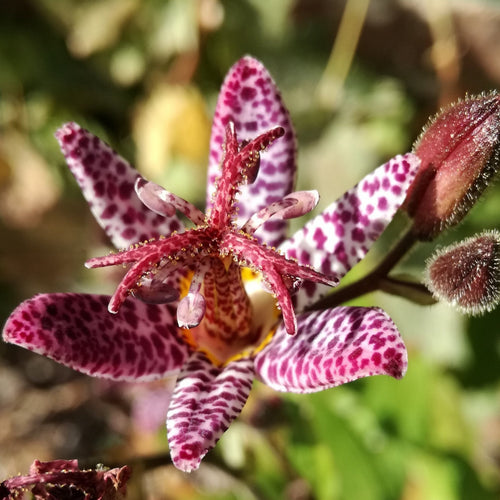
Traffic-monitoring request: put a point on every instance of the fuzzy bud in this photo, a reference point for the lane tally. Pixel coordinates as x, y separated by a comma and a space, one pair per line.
459, 149
467, 274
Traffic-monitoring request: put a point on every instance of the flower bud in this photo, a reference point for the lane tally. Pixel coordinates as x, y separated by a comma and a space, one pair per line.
467, 274
459, 149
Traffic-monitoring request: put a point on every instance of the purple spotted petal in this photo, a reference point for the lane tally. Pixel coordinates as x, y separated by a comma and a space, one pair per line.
333, 347
107, 182
249, 98
205, 401
336, 240
139, 343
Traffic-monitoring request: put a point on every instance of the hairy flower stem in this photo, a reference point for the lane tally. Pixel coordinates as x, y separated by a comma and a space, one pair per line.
377, 279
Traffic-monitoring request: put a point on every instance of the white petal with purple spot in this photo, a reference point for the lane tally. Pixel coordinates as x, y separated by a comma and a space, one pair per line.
205, 401
337, 239
250, 99
107, 183
139, 343
333, 347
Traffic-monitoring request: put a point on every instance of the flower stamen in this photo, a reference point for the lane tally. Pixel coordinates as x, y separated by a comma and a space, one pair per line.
165, 203
191, 308
291, 206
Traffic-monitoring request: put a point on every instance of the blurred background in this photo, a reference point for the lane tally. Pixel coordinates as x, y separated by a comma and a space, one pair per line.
360, 79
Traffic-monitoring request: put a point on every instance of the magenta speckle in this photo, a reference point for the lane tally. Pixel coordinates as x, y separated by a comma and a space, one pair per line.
248, 93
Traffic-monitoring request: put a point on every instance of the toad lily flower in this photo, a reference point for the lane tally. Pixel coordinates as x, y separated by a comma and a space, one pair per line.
217, 304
